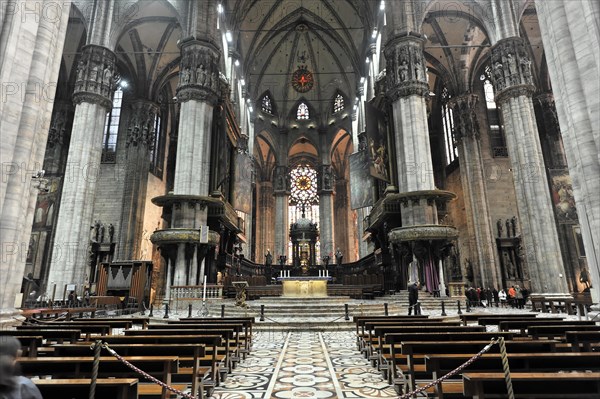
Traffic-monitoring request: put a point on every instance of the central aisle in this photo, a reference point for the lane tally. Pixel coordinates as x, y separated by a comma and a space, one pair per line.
304, 364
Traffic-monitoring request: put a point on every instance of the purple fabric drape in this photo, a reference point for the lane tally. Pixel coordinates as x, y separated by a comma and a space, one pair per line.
432, 281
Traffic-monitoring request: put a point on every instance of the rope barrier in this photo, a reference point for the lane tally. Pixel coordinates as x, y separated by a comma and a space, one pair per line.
506, 369
96, 347
451, 373
146, 375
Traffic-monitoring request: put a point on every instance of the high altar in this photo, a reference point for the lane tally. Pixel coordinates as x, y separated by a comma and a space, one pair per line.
304, 287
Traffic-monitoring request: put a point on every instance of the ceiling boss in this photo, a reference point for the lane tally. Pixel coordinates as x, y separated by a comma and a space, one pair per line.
302, 79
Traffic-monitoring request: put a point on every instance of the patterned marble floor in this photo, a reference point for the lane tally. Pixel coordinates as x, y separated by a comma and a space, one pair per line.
304, 364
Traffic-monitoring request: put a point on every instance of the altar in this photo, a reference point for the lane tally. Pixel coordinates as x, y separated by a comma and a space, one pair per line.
304, 287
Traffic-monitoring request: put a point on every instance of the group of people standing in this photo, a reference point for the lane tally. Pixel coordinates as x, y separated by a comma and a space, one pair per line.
515, 296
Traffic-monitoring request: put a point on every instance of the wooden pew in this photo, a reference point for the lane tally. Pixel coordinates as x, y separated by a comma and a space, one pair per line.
229, 332
59, 336
213, 344
583, 340
439, 365
79, 388
496, 320
141, 321
557, 330
466, 317
413, 353
161, 367
533, 385
30, 344
361, 320
523, 325
244, 337
194, 363
97, 329
248, 322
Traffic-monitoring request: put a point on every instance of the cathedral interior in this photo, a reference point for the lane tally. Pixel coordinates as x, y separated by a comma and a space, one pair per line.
172, 142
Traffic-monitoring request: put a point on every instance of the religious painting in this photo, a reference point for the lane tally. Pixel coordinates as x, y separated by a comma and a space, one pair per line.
562, 196
361, 193
242, 195
579, 241
377, 142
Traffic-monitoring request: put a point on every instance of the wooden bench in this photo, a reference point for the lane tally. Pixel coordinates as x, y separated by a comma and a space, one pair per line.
56, 312
141, 321
30, 344
557, 330
229, 332
88, 330
161, 367
361, 320
523, 325
215, 353
194, 364
533, 385
79, 388
439, 365
413, 354
247, 322
496, 320
583, 340
59, 336
466, 317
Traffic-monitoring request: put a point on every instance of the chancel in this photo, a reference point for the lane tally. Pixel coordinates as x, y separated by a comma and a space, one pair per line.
165, 156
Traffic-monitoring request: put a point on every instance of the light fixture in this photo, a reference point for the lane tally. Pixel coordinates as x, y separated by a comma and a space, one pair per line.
228, 36
243, 82
382, 5
236, 63
123, 84
220, 8
367, 60
374, 34
362, 80
251, 109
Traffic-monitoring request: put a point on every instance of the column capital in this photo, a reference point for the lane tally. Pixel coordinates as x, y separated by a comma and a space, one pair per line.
465, 118
199, 72
511, 69
96, 76
405, 67
140, 130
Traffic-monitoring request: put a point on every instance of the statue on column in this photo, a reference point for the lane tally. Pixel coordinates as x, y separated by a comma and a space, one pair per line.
508, 229
101, 233
339, 257
268, 258
499, 226
111, 232
513, 223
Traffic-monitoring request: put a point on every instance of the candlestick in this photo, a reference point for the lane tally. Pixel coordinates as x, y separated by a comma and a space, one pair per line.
204, 291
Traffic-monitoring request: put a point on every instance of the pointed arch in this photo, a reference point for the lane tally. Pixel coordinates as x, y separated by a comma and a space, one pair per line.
266, 103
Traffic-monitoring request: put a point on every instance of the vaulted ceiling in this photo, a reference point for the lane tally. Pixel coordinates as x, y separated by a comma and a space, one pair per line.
330, 37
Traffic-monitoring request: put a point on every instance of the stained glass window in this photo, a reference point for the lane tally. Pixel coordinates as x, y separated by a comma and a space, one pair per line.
302, 113
266, 105
448, 125
303, 199
497, 139
338, 103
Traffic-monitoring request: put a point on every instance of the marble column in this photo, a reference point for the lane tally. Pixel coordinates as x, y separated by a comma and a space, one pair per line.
198, 92
264, 218
140, 139
281, 193
326, 222
466, 130
514, 88
94, 86
549, 127
30, 56
570, 34
407, 90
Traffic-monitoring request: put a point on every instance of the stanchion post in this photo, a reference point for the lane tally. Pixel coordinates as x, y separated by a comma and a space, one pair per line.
222, 310
443, 309
143, 312
262, 312
166, 316
468, 305
385, 308
458, 306
190, 311
151, 311
347, 316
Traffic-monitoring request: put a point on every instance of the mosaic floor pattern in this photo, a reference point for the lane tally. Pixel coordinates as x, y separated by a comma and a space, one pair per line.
304, 364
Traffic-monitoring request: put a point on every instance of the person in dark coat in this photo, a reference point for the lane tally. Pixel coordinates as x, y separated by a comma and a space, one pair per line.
495, 295
413, 298
12, 385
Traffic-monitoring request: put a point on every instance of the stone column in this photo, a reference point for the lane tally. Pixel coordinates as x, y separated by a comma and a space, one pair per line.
514, 87
30, 56
140, 139
550, 129
407, 89
264, 217
570, 35
466, 129
281, 193
94, 88
326, 226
